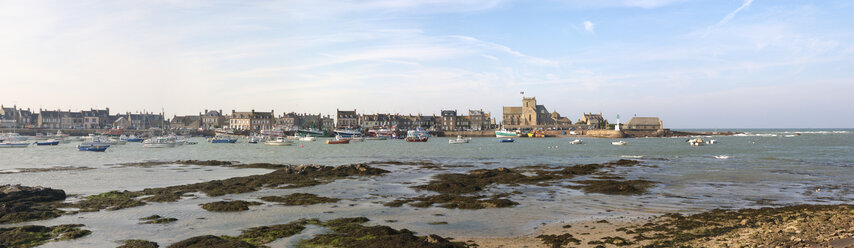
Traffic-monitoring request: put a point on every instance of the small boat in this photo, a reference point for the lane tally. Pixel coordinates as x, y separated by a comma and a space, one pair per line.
14, 144
338, 141
158, 142
50, 142
356, 139
92, 146
711, 142
279, 141
722, 157
377, 138
459, 140
308, 138
503, 133
220, 139
619, 143
254, 140
576, 142
417, 136
507, 140
696, 142
114, 141
347, 133
133, 138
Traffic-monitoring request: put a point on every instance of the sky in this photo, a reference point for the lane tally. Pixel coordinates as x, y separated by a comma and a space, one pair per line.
693, 63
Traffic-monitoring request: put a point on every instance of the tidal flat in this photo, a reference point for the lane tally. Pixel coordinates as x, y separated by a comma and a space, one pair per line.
440, 196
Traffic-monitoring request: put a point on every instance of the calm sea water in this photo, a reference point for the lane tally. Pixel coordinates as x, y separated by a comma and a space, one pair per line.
763, 168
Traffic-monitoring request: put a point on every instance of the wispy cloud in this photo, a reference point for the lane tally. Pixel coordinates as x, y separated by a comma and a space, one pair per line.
729, 17
588, 25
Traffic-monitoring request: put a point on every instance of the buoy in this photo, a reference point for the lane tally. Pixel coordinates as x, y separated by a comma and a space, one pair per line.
301, 146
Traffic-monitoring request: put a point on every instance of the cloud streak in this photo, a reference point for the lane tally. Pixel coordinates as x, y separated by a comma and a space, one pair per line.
729, 17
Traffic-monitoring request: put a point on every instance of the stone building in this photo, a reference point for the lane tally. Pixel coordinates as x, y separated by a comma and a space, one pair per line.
644, 123
212, 119
479, 120
531, 115
347, 119
293, 121
594, 121
96, 118
15, 118
189, 122
139, 121
251, 121
449, 120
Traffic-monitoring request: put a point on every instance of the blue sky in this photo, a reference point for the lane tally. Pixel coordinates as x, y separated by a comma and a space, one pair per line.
695, 64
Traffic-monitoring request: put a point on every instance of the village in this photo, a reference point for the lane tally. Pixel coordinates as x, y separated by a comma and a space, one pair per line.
527, 118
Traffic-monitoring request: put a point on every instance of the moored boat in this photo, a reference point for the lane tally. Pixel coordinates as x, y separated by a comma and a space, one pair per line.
696, 142
221, 139
347, 133
459, 140
503, 133
279, 141
308, 138
619, 143
158, 142
338, 141
93, 146
50, 142
507, 140
14, 144
576, 142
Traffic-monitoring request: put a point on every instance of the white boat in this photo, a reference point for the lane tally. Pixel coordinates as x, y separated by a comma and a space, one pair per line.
576, 142
14, 144
347, 133
254, 139
503, 133
619, 143
459, 140
279, 141
159, 142
696, 142
711, 142
308, 138
119, 141
12, 137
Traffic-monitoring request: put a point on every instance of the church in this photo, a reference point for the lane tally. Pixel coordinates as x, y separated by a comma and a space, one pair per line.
531, 115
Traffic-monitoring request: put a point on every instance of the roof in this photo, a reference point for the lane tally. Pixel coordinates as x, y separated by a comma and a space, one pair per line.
542, 109
644, 121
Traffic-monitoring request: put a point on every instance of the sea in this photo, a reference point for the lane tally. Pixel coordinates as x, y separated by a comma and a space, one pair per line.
758, 168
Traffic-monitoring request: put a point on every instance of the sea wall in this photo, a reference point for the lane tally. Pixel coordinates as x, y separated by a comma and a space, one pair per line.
613, 134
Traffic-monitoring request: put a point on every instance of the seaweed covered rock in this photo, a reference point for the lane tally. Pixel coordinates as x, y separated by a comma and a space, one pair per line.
21, 203
614, 187
229, 206
456, 201
136, 243
113, 200
297, 199
352, 233
31, 236
558, 241
210, 241
157, 219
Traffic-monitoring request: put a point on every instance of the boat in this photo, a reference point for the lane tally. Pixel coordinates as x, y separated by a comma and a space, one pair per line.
377, 138
114, 141
158, 142
347, 133
416, 136
221, 139
503, 133
279, 141
507, 140
619, 143
308, 138
537, 134
14, 144
696, 142
459, 140
338, 141
576, 142
93, 146
254, 140
133, 138
311, 132
711, 142
50, 142
12, 137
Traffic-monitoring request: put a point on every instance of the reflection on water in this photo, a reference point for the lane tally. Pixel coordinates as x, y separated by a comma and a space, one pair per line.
760, 170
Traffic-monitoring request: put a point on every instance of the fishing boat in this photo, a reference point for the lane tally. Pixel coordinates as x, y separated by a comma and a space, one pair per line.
503, 133
14, 144
459, 140
347, 133
696, 142
279, 141
159, 142
133, 138
338, 141
311, 132
537, 134
308, 138
576, 142
416, 136
93, 146
50, 142
619, 143
507, 140
222, 139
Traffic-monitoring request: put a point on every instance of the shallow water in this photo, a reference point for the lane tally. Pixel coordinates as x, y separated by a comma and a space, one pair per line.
764, 168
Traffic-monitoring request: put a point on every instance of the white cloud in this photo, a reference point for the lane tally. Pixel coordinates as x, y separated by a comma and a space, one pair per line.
729, 17
588, 25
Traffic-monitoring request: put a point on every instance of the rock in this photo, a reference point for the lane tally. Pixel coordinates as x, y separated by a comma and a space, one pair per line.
436, 239
842, 243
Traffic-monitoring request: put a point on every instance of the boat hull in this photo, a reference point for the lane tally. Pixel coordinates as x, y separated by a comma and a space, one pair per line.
92, 148
53, 143
14, 145
505, 134
413, 139
506, 140
224, 141
158, 145
346, 141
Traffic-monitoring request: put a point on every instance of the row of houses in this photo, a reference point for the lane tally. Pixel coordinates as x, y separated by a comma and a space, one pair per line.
13, 117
